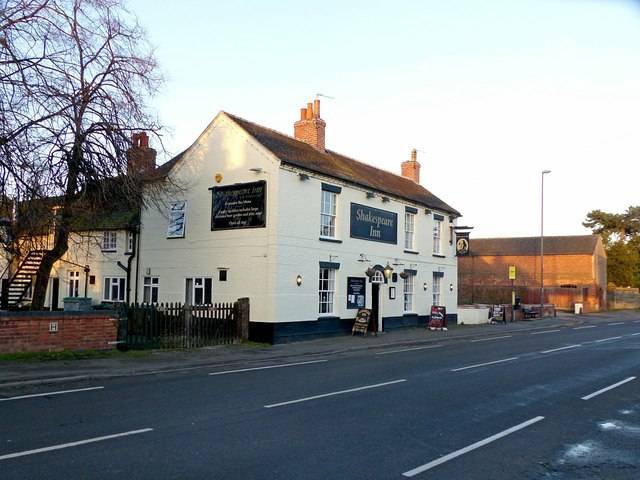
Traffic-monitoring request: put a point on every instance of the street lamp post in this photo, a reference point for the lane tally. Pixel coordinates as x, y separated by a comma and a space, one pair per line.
542, 245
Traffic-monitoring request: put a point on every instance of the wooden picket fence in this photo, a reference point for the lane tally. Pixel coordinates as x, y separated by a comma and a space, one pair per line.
176, 325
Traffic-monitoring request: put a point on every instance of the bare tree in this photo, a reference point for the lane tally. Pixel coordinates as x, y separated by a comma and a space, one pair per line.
75, 80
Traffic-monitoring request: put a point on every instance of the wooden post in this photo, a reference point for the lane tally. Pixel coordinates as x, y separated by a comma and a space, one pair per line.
242, 319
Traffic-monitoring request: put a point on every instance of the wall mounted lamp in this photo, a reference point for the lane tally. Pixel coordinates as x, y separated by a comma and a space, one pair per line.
451, 287
424, 286
299, 280
388, 270
371, 195
385, 199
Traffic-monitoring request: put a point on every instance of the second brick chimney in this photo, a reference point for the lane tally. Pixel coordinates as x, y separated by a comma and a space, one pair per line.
140, 158
311, 128
411, 168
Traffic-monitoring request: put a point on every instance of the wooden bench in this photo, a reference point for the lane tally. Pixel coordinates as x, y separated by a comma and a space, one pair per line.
529, 312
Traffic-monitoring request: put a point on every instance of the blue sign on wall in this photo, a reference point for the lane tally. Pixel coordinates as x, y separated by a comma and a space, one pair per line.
373, 224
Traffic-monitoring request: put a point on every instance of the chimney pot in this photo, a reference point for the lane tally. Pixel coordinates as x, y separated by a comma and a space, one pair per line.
311, 128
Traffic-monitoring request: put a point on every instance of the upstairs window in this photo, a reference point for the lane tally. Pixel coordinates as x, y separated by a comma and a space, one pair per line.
329, 210
438, 220
177, 220
409, 230
109, 241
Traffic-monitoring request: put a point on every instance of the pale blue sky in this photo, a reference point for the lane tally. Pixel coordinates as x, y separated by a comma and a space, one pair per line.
491, 92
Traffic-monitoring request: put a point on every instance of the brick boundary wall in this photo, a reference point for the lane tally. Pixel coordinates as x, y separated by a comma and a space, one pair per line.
22, 332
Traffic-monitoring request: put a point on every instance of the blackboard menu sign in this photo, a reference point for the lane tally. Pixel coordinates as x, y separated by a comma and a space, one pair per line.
356, 292
239, 206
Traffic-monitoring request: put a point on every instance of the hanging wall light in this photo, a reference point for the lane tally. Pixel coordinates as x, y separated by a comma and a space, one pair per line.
388, 270
424, 286
299, 280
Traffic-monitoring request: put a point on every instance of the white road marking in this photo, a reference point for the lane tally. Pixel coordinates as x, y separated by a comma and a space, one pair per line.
561, 348
341, 392
546, 331
634, 334
267, 367
586, 326
73, 444
489, 339
606, 339
606, 389
484, 364
61, 392
462, 451
617, 323
409, 349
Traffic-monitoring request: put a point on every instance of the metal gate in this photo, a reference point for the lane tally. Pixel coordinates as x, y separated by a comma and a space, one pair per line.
175, 325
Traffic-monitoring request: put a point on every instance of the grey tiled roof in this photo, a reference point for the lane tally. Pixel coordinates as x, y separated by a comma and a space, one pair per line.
301, 155
519, 246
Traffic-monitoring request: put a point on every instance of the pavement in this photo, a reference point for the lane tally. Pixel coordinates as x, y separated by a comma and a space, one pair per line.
15, 373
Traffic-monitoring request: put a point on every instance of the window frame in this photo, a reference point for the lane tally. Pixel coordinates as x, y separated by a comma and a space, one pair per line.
74, 284
328, 214
198, 291
150, 289
437, 235
436, 289
109, 241
177, 220
120, 283
409, 231
327, 291
408, 294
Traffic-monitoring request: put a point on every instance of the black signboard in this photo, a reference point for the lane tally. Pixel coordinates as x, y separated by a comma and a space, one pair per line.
356, 292
369, 223
239, 206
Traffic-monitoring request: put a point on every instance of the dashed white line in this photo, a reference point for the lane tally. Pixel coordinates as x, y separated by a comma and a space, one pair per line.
73, 444
489, 339
606, 339
617, 323
606, 389
542, 333
586, 326
341, 392
409, 349
561, 348
484, 364
462, 451
47, 394
267, 367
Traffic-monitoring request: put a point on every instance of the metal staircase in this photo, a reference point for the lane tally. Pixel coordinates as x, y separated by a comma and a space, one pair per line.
18, 286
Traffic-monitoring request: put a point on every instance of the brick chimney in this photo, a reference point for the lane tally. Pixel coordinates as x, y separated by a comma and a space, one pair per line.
311, 128
140, 158
411, 168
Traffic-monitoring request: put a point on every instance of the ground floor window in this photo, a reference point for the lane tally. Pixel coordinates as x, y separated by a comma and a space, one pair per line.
326, 291
114, 289
150, 287
437, 290
74, 284
408, 294
198, 291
